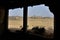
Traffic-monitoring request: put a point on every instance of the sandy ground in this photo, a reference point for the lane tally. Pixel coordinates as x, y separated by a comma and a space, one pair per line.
48, 23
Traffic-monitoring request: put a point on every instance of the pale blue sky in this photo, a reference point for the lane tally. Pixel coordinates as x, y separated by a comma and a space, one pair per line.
39, 10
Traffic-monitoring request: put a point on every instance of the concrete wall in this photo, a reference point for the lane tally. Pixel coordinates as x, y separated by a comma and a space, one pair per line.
2, 12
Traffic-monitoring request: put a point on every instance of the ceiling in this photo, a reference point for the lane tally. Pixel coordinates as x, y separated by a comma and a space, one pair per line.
10, 4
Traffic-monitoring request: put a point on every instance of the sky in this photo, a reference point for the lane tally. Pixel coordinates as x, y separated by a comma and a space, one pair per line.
39, 10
